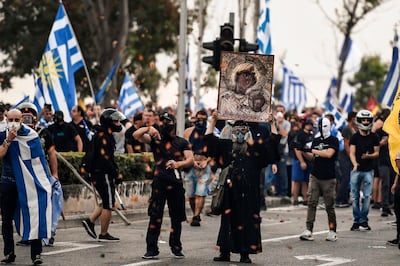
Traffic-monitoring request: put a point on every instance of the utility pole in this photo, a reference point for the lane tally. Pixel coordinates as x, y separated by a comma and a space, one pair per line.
198, 69
180, 126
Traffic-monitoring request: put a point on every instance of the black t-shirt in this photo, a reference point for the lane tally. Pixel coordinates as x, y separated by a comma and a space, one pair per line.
80, 128
324, 168
384, 158
165, 150
64, 137
364, 144
129, 139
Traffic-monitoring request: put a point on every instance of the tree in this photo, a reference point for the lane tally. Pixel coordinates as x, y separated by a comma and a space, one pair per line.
137, 29
352, 12
368, 80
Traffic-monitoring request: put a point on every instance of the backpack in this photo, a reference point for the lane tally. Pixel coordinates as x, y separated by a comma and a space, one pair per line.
87, 164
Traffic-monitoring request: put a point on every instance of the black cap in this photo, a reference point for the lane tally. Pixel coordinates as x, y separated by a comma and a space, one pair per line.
167, 116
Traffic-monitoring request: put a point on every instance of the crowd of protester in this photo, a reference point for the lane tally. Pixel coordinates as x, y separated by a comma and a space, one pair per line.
296, 173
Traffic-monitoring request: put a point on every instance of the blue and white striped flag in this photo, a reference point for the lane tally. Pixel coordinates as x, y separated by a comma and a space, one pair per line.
392, 79
331, 95
33, 217
129, 101
25, 99
38, 99
346, 104
352, 55
189, 84
293, 91
264, 30
340, 120
61, 58
106, 83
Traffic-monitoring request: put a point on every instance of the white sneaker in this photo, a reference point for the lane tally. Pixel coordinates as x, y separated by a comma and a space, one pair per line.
307, 235
331, 236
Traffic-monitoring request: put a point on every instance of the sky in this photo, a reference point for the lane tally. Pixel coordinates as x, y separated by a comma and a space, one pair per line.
301, 35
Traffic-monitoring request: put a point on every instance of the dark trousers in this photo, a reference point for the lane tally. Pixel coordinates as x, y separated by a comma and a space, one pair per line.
9, 198
224, 234
173, 194
397, 209
343, 178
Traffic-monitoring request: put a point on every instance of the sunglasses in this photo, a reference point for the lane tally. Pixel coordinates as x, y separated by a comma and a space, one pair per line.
13, 119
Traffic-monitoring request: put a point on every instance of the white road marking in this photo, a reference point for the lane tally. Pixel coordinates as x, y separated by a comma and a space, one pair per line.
73, 246
332, 260
147, 262
290, 237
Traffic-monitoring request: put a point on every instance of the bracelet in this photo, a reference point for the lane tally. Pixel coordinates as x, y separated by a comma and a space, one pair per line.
6, 143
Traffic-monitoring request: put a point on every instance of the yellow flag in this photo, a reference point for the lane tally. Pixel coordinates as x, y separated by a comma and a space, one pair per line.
392, 127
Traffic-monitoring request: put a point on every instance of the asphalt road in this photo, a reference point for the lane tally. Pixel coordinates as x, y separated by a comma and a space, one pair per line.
281, 227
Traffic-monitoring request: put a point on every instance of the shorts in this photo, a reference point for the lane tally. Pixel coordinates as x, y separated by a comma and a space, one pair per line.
196, 182
106, 189
299, 174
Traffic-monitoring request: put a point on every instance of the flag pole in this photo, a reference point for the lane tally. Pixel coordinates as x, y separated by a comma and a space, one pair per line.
84, 62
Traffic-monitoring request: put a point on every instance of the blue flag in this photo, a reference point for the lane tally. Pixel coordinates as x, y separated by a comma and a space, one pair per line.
392, 78
25, 99
264, 30
293, 91
129, 101
61, 58
106, 83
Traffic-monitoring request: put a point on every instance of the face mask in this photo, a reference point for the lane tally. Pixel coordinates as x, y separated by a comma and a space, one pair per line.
240, 135
200, 125
116, 128
325, 127
15, 125
166, 130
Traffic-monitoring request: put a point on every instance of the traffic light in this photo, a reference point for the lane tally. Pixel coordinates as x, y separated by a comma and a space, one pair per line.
215, 58
244, 46
226, 37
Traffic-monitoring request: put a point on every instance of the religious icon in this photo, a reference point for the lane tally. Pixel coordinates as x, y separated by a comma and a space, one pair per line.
245, 86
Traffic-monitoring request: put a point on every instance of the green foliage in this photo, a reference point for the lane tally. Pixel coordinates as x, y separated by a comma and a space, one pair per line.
139, 28
368, 80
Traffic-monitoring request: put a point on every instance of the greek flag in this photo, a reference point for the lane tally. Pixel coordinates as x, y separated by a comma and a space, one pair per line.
340, 120
293, 91
331, 95
61, 58
351, 55
129, 101
25, 99
346, 104
189, 84
106, 83
264, 31
38, 99
392, 79
33, 217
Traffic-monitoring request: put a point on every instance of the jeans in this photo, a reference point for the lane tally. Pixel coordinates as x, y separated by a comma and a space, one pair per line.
270, 178
356, 179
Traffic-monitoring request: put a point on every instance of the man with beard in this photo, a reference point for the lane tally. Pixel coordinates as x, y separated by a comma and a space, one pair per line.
245, 156
171, 154
197, 177
105, 173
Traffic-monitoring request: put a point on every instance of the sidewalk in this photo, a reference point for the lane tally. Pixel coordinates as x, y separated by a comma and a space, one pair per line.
74, 220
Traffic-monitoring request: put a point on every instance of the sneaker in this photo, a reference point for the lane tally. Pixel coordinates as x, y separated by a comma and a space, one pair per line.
365, 227
355, 227
393, 242
342, 205
149, 255
38, 260
107, 238
178, 254
331, 236
307, 235
386, 212
195, 221
89, 227
23, 243
9, 258
51, 241
376, 206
